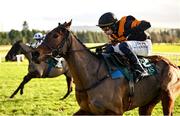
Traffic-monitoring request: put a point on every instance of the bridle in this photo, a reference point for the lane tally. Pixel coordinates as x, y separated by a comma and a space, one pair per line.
55, 51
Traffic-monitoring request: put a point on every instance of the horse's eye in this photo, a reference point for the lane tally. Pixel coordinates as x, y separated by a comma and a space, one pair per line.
55, 36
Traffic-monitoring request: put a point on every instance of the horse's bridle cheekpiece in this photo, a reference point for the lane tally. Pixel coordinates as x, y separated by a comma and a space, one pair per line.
56, 51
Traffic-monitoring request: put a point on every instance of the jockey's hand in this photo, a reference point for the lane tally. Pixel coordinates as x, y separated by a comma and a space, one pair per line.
109, 49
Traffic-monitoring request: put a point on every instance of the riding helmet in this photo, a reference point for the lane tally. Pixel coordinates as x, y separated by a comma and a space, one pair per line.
38, 36
107, 19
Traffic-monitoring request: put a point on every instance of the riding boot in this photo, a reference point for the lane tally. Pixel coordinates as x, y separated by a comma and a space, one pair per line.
139, 71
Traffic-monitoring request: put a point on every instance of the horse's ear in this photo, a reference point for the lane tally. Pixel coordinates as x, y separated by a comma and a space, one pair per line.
68, 25
59, 24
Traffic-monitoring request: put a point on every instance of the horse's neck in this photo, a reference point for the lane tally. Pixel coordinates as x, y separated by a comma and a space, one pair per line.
14, 49
26, 50
82, 64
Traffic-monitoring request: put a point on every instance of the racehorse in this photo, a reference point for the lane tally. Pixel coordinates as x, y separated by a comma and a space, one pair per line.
42, 70
96, 92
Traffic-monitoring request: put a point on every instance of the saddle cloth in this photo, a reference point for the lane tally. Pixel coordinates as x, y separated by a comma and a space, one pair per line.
53, 63
119, 66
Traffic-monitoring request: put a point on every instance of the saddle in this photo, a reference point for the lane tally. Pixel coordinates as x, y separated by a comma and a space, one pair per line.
52, 63
119, 66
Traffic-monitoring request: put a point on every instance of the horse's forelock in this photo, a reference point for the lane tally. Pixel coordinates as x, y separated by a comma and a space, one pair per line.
60, 28
61, 25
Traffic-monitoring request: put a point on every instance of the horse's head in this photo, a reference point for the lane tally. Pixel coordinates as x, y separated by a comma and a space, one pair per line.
55, 43
15, 50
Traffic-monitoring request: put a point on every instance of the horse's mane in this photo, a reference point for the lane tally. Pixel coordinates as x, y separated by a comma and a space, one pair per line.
16, 45
19, 41
93, 53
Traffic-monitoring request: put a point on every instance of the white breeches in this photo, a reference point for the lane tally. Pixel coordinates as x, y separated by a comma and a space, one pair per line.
141, 48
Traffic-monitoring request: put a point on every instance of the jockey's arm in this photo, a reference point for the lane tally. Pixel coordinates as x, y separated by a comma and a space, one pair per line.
137, 26
143, 26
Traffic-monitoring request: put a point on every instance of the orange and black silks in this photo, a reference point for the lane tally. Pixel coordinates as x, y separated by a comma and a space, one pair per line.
129, 26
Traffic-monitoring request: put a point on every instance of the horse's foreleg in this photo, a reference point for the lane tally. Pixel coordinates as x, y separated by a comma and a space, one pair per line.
25, 80
69, 81
167, 103
147, 109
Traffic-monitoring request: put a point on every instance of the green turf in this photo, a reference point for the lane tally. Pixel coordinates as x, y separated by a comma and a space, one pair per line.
41, 96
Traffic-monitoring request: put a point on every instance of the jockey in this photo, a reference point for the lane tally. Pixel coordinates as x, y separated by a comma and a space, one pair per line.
127, 37
39, 37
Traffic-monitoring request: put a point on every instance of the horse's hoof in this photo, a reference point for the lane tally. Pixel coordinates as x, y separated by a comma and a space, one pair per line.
21, 93
11, 96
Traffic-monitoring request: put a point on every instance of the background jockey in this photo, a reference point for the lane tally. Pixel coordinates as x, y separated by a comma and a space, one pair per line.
127, 37
39, 37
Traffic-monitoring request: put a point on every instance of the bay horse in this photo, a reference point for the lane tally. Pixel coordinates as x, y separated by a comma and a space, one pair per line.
35, 70
96, 92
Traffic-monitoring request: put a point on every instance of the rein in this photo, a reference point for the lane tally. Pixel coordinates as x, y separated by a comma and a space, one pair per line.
94, 47
57, 50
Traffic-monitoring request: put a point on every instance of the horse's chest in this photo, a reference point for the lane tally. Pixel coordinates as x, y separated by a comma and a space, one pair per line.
91, 104
96, 106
